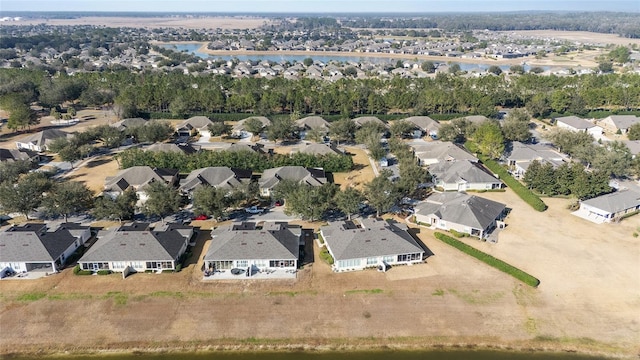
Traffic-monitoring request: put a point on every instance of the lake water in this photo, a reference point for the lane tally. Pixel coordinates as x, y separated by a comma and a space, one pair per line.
299, 355
193, 48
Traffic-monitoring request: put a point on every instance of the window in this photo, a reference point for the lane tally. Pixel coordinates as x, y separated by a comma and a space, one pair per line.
242, 263
349, 263
409, 257
372, 261
223, 265
388, 259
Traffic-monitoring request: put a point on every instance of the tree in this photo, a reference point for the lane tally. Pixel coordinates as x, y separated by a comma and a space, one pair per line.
110, 136
620, 55
219, 128
489, 138
634, 132
66, 198
26, 195
613, 159
401, 128
454, 68
21, 116
154, 131
494, 69
307, 61
456, 130
411, 175
517, 69
349, 200
538, 106
280, 129
72, 111
310, 202
381, 192
343, 130
10, 171
254, 126
162, 200
429, 67
516, 126
567, 141
210, 201
70, 153
120, 208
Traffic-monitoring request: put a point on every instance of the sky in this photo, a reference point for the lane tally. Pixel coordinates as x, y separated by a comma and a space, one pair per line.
319, 6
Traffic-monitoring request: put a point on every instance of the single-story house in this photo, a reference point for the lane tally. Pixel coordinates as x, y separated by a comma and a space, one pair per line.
308, 176
240, 131
312, 122
40, 140
275, 246
632, 145
178, 148
125, 124
370, 243
138, 177
463, 175
35, 247
609, 207
317, 149
522, 155
435, 152
238, 147
194, 125
359, 121
11, 155
574, 123
425, 124
219, 177
138, 247
462, 212
615, 123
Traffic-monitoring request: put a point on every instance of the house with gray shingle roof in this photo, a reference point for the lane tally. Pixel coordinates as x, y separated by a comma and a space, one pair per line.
40, 140
125, 124
462, 212
239, 130
575, 124
370, 243
275, 246
359, 121
138, 177
307, 176
424, 124
35, 247
521, 155
12, 155
462, 176
435, 152
194, 125
177, 148
316, 149
609, 207
220, 177
622, 123
313, 122
138, 247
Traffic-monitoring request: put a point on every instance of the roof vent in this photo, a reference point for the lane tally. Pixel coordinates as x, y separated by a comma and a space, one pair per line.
259, 243
142, 244
243, 243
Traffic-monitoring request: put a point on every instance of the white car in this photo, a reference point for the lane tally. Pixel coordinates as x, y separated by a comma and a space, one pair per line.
254, 210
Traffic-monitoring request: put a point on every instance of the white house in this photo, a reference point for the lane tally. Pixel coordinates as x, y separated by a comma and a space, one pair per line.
301, 175
138, 247
574, 123
35, 247
615, 123
609, 207
138, 177
434, 152
462, 176
40, 140
370, 243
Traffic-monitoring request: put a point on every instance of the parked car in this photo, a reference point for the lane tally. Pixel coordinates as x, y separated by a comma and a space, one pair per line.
200, 217
279, 203
254, 210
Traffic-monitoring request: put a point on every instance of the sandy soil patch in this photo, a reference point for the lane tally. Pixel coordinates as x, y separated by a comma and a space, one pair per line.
360, 175
94, 172
201, 22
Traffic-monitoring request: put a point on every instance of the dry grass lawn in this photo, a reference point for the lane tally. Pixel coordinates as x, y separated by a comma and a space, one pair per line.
94, 172
361, 174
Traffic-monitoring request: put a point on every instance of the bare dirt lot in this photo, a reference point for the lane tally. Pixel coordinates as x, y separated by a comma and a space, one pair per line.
579, 36
588, 300
187, 22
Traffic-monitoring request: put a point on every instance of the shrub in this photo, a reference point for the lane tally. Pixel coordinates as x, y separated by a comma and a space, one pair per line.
76, 269
324, 255
458, 234
489, 260
104, 272
178, 267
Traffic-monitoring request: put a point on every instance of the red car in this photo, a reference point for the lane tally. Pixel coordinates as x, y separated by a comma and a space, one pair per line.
201, 217
279, 203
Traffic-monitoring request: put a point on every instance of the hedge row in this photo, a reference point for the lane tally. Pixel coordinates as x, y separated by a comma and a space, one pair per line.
489, 260
525, 194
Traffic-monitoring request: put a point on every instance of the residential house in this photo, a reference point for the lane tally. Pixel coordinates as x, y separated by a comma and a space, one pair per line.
461, 212
39, 141
463, 175
632, 145
35, 247
317, 149
574, 123
138, 177
240, 131
609, 207
370, 243
138, 247
435, 152
424, 125
274, 247
522, 155
177, 148
219, 177
359, 121
125, 124
194, 125
308, 176
11, 155
312, 122
615, 123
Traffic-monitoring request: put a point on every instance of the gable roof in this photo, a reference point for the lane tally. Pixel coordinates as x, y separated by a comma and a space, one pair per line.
312, 122
530, 152
462, 208
632, 145
138, 176
16, 155
464, 170
195, 122
35, 243
44, 137
616, 201
441, 151
368, 119
218, 177
186, 149
129, 123
275, 241
240, 125
374, 237
302, 175
575, 122
317, 149
142, 243
622, 122
424, 123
